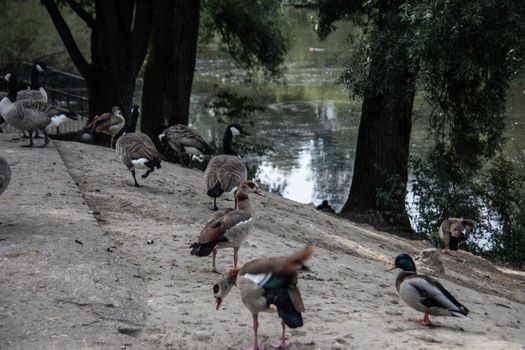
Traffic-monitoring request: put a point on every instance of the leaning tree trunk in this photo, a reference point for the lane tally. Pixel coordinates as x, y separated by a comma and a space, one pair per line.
120, 32
381, 165
168, 76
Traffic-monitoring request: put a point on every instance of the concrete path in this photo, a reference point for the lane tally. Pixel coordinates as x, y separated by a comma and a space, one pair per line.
59, 286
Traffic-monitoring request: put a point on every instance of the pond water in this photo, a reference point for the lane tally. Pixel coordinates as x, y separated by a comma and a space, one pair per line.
309, 119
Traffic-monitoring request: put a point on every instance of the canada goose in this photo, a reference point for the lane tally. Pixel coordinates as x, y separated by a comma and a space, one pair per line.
21, 85
225, 172
5, 174
184, 141
108, 123
268, 285
31, 114
136, 150
424, 293
228, 228
451, 232
36, 91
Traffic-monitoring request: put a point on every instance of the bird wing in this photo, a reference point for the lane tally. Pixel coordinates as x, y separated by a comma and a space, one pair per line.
33, 95
138, 145
188, 137
43, 107
433, 294
215, 229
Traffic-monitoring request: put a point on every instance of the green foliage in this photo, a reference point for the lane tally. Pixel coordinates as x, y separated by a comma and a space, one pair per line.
28, 35
495, 199
253, 32
232, 107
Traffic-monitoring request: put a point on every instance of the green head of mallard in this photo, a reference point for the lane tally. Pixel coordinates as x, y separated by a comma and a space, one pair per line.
405, 263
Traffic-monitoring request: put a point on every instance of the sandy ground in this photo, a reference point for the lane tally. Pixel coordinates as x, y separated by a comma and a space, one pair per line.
351, 301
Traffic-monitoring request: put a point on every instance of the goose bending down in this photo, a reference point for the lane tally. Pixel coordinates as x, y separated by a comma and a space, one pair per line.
451, 233
225, 172
424, 293
5, 174
184, 141
136, 150
228, 228
268, 285
31, 115
108, 123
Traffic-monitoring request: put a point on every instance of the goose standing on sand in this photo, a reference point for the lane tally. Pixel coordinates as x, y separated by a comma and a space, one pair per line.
268, 285
228, 228
225, 172
451, 233
184, 141
109, 123
31, 115
5, 174
424, 293
136, 150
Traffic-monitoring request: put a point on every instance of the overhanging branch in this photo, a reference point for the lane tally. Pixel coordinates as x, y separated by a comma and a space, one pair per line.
66, 36
79, 10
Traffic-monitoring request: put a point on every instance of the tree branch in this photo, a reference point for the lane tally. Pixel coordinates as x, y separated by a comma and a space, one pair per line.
66, 36
79, 10
141, 33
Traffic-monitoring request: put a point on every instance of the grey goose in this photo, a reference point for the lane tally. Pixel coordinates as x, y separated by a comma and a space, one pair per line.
225, 172
31, 115
136, 150
184, 140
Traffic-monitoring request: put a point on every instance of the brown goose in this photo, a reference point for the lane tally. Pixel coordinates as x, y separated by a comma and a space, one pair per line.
228, 228
136, 150
268, 285
451, 232
31, 115
184, 141
108, 123
424, 293
5, 174
225, 172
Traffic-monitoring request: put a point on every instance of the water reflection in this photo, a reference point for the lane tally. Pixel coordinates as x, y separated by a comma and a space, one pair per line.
309, 119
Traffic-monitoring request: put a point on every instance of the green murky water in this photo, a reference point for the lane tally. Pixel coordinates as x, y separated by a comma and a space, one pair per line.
309, 119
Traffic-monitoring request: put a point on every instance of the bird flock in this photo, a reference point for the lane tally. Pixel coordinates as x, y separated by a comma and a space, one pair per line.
265, 284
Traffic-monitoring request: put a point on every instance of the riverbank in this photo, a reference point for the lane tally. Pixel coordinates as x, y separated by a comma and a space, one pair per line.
351, 301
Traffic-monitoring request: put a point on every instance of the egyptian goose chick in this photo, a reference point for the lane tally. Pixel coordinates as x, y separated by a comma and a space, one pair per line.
228, 228
5, 174
225, 172
31, 115
184, 141
451, 232
424, 293
136, 150
108, 123
268, 285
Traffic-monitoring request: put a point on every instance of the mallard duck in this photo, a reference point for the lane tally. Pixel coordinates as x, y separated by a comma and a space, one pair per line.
268, 285
451, 233
424, 293
228, 228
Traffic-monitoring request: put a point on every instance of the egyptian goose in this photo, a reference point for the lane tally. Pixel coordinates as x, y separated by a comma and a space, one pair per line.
268, 285
108, 123
136, 150
31, 114
424, 293
225, 172
228, 228
184, 141
5, 174
451, 232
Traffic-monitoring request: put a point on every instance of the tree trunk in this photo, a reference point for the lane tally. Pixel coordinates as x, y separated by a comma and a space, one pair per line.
170, 66
381, 164
120, 32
